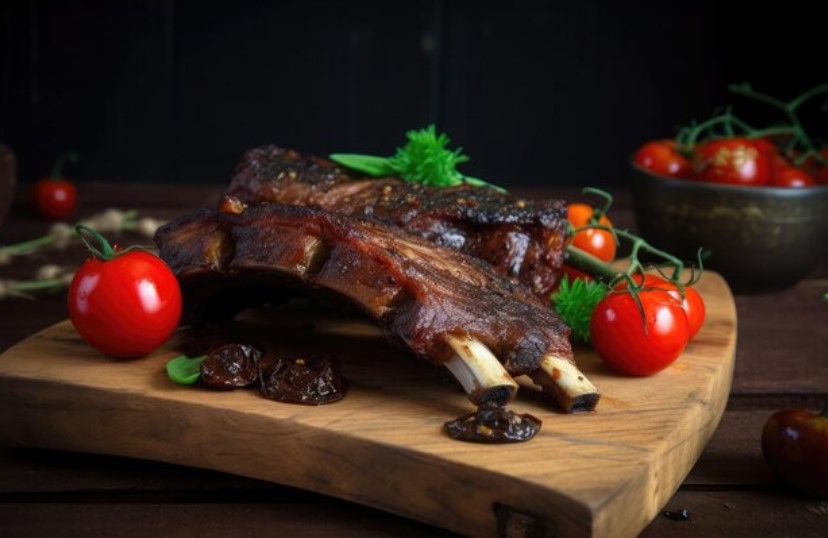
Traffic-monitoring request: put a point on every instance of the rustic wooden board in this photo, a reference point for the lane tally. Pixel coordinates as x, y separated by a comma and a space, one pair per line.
606, 473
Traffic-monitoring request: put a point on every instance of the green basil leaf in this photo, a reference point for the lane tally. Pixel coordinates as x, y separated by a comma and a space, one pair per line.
367, 164
184, 370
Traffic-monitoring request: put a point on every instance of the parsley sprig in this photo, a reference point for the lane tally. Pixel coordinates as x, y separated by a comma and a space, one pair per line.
575, 301
425, 159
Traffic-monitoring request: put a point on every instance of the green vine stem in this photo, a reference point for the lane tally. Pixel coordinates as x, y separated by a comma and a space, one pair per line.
687, 138
599, 212
789, 109
49, 279
105, 253
726, 124
608, 274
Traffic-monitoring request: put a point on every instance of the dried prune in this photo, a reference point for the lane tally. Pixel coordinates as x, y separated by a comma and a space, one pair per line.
493, 423
310, 381
230, 366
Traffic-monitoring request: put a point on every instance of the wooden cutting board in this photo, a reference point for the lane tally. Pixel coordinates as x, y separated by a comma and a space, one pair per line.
606, 473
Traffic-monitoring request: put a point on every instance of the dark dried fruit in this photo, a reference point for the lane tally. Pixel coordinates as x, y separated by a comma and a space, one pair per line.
231, 366
493, 423
310, 381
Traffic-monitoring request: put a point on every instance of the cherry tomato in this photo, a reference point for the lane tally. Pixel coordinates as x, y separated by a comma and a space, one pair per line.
125, 304
765, 146
599, 243
55, 197
634, 345
662, 157
692, 303
791, 177
795, 445
735, 161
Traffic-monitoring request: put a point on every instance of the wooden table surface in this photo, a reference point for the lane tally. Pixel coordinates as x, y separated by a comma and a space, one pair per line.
780, 362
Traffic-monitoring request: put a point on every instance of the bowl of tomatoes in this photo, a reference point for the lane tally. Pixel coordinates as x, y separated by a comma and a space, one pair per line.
750, 212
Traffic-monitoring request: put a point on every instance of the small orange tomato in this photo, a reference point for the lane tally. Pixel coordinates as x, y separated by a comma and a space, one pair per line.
598, 242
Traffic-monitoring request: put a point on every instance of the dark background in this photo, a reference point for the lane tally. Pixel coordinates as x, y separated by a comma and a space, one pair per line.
537, 93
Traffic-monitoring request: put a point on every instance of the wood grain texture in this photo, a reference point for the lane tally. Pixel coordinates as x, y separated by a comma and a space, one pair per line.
382, 446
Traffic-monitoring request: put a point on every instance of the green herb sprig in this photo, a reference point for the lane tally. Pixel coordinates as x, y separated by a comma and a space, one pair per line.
424, 159
575, 301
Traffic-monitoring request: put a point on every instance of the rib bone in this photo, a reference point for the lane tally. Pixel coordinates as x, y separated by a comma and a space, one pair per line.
482, 376
560, 379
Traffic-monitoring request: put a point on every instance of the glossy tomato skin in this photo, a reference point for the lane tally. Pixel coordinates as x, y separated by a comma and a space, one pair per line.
791, 177
55, 198
629, 344
736, 161
692, 303
795, 445
127, 306
597, 242
662, 157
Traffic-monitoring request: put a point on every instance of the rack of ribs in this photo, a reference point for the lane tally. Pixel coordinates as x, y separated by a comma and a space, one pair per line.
445, 306
522, 239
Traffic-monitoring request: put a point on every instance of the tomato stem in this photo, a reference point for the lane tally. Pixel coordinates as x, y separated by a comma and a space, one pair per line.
128, 220
788, 108
598, 212
106, 251
19, 288
27, 247
586, 262
57, 169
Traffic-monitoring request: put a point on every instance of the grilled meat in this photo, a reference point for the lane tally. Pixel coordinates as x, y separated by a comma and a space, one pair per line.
522, 239
445, 306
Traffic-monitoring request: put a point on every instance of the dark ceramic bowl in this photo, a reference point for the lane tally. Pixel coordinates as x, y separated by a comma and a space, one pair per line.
759, 238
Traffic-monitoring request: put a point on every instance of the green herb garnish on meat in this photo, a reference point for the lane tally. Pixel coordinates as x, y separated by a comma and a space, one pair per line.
424, 159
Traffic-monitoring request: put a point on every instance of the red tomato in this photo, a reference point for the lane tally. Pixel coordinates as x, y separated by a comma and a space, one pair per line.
735, 161
795, 445
790, 176
817, 170
55, 198
661, 157
765, 146
693, 304
637, 346
126, 306
599, 243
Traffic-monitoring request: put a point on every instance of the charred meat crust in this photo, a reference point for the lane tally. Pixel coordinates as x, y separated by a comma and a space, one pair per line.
415, 290
522, 239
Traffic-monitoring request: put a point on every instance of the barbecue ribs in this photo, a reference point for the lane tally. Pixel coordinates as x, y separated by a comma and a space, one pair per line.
445, 306
522, 239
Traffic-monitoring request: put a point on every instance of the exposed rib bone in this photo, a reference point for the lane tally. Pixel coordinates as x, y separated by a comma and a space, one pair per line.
565, 384
482, 376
